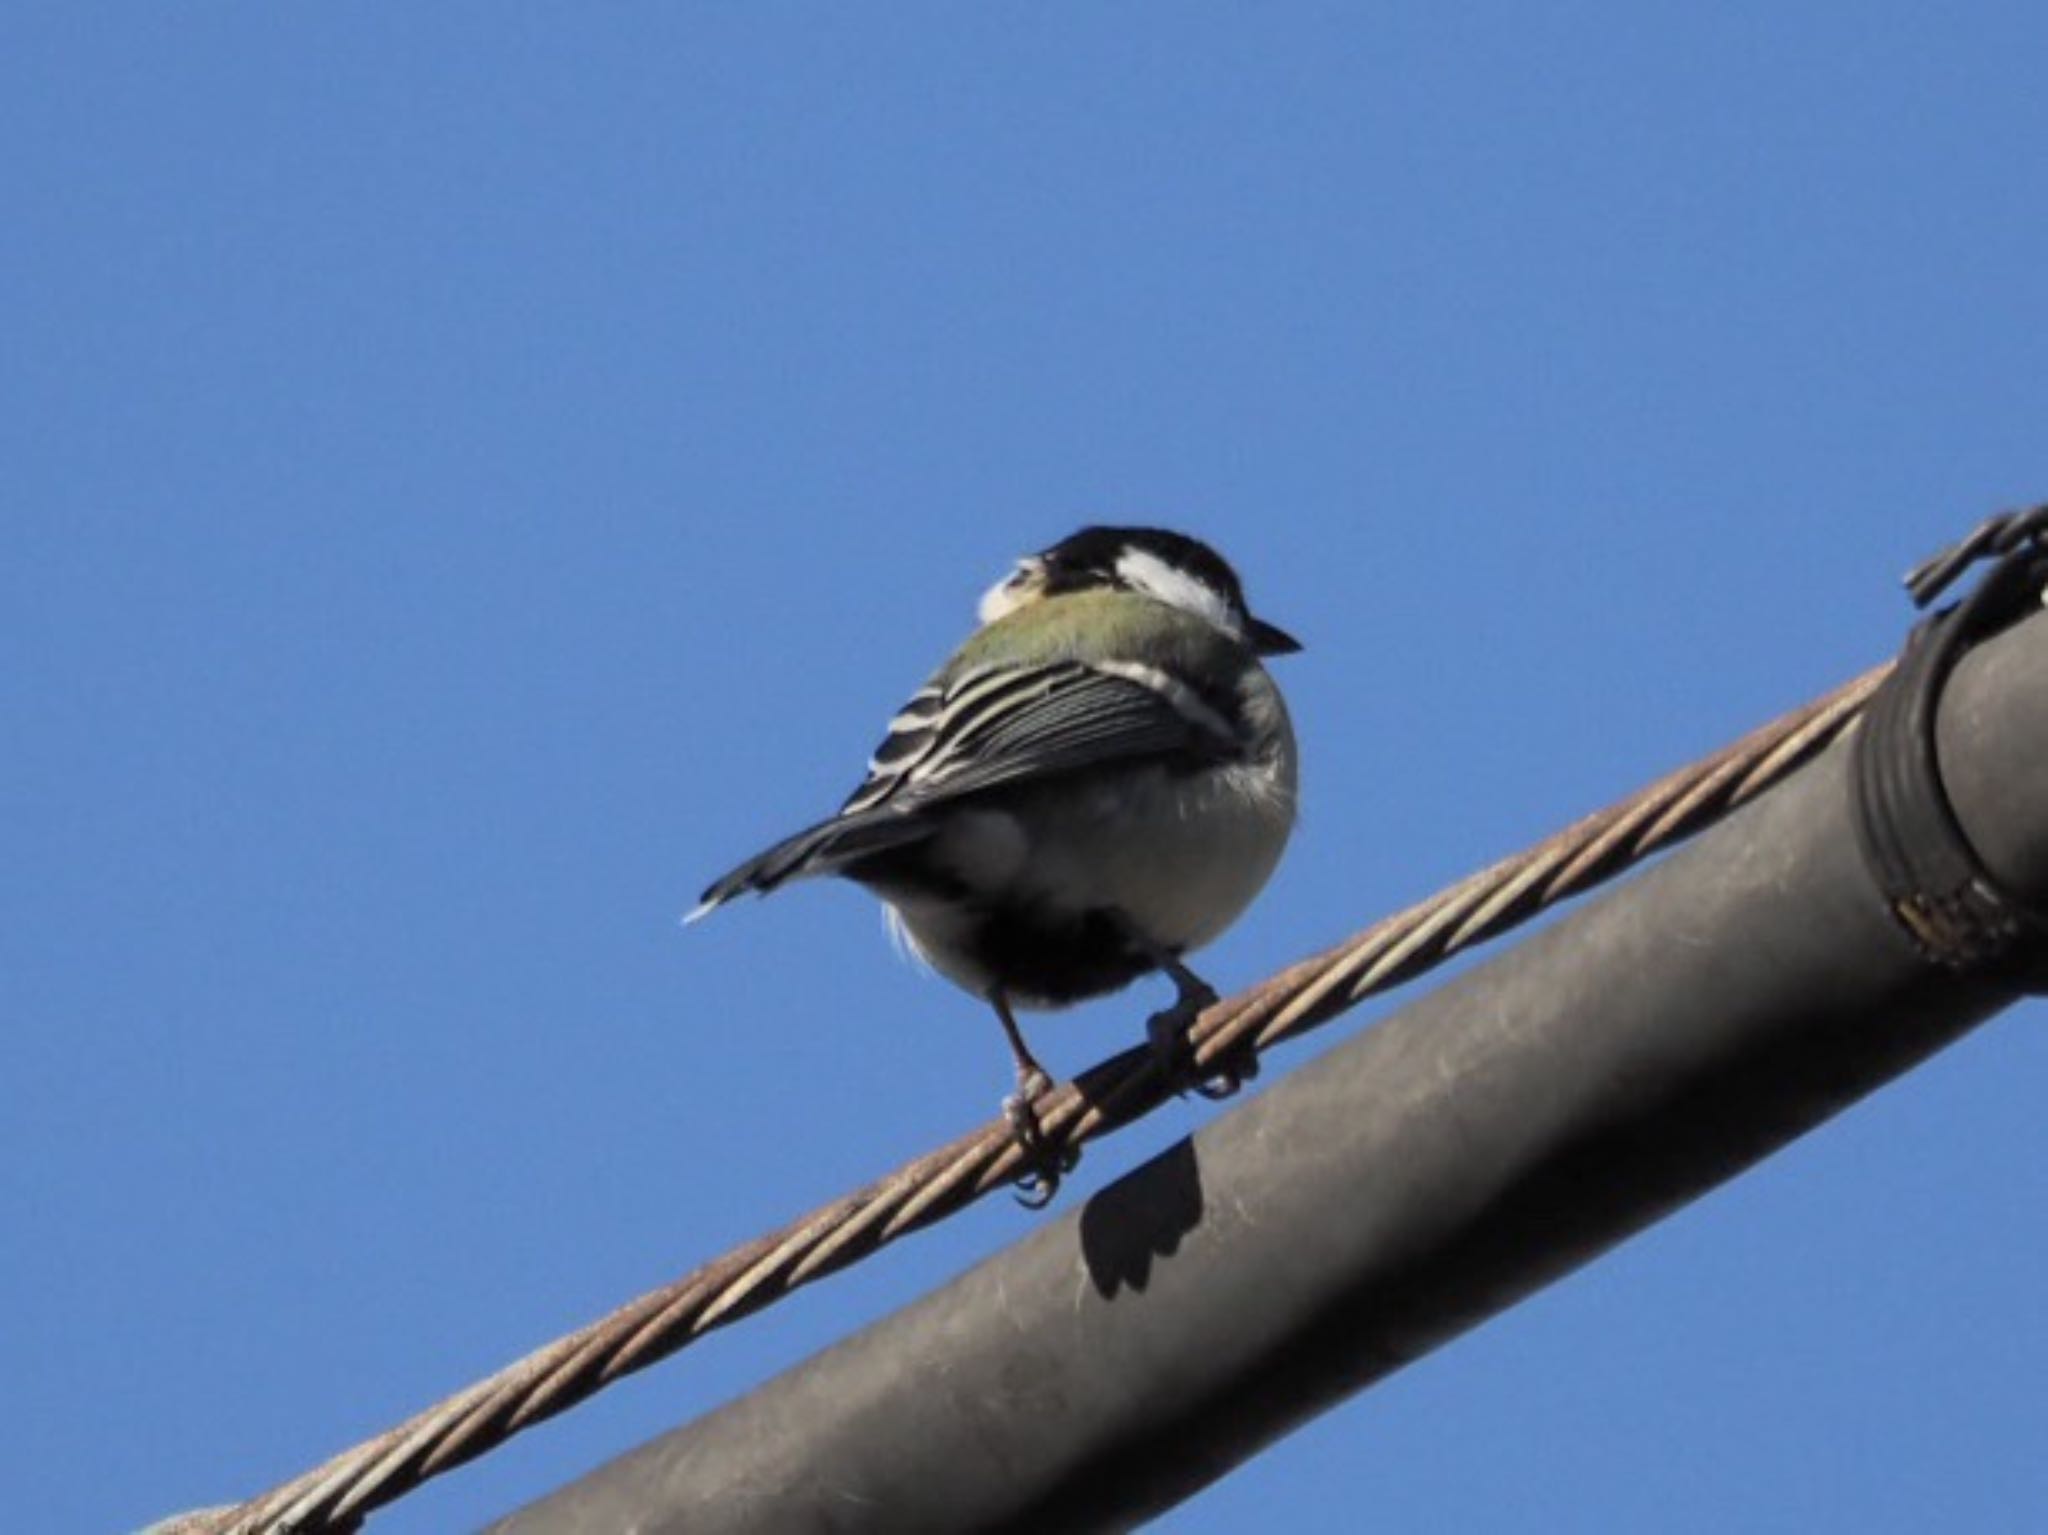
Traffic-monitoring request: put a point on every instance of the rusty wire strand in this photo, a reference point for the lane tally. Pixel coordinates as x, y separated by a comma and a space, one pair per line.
337, 1495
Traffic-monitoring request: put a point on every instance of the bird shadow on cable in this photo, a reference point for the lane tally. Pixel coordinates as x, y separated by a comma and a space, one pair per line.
1139, 1219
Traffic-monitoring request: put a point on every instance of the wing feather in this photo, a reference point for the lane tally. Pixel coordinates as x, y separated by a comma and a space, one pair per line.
1001, 724
986, 728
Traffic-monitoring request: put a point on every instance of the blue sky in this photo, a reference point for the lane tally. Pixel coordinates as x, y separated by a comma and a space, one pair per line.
471, 473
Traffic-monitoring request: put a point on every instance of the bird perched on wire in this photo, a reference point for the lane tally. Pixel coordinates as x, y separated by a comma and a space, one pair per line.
1097, 782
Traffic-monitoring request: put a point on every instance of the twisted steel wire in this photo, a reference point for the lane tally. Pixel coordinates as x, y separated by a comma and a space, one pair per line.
1227, 1036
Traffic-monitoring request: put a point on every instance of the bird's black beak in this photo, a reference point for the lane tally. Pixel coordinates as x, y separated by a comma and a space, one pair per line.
1271, 640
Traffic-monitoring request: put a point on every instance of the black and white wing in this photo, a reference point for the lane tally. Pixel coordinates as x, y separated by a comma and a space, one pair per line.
989, 727
995, 725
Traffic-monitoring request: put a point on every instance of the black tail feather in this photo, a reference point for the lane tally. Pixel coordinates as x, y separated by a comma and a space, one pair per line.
826, 848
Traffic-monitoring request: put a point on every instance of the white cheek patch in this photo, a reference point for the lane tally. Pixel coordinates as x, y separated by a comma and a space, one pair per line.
1143, 571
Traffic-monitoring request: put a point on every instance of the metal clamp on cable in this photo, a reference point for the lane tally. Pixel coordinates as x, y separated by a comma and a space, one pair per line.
1931, 877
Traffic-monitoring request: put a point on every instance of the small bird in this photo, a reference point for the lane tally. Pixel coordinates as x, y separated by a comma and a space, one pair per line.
1096, 783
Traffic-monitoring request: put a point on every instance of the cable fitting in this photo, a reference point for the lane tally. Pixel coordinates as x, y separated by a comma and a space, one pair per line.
1932, 880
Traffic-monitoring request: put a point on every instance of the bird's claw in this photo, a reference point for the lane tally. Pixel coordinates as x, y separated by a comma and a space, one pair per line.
1167, 1032
1044, 1164
1225, 1081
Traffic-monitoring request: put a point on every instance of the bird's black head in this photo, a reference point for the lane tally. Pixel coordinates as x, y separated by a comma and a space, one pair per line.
1170, 567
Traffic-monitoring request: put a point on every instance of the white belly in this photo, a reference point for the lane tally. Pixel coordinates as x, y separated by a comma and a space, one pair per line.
1181, 856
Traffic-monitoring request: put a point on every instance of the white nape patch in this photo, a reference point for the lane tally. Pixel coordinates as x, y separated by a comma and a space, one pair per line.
1013, 591
1144, 571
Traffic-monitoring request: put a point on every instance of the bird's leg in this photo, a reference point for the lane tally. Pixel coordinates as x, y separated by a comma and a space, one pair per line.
1168, 1029
1044, 1167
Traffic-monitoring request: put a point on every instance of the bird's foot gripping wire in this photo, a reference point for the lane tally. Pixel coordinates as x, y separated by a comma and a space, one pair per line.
1167, 1030
1045, 1164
